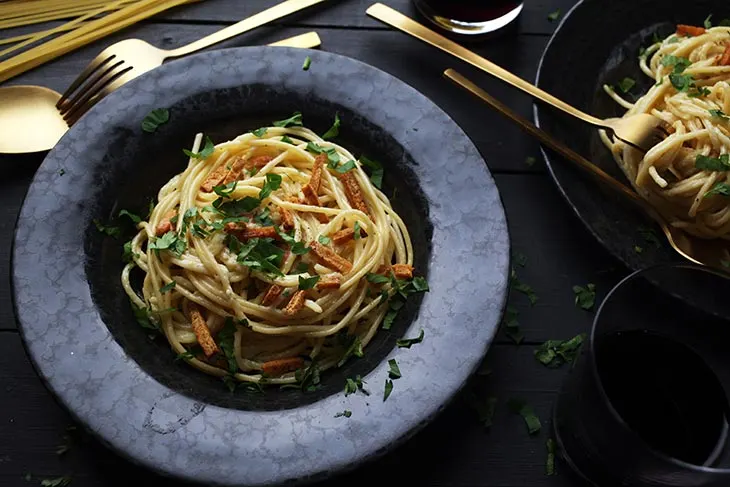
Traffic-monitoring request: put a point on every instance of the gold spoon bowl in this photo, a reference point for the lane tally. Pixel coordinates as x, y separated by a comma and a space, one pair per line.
29, 119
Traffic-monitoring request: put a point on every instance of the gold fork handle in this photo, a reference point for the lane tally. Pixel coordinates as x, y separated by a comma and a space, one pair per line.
303, 41
269, 15
401, 22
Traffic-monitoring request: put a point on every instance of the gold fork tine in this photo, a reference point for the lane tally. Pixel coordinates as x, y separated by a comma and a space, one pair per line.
97, 63
89, 84
88, 94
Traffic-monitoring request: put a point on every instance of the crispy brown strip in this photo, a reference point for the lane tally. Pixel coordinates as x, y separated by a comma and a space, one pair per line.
689, 30
346, 235
214, 179
403, 271
296, 303
275, 368
287, 219
165, 224
258, 162
202, 333
330, 281
311, 189
354, 192
725, 59
271, 295
248, 231
328, 258
236, 169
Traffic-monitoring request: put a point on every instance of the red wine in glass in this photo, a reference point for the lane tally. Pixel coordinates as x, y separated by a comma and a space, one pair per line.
470, 17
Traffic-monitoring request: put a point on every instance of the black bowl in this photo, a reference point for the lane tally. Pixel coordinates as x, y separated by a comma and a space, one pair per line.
81, 334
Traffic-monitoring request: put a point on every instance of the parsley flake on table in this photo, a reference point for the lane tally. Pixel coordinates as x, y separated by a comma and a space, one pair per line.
334, 130
346, 413
61, 172
294, 120
523, 288
203, 154
393, 369
553, 16
519, 259
511, 326
626, 84
554, 353
307, 63
721, 163
530, 161
408, 342
550, 461
585, 297
154, 119
57, 482
519, 406
638, 249
722, 189
485, 408
388, 389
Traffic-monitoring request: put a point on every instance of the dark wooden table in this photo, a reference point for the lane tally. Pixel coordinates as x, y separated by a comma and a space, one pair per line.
455, 450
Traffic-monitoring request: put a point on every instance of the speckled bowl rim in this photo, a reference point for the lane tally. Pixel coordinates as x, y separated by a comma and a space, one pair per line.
173, 434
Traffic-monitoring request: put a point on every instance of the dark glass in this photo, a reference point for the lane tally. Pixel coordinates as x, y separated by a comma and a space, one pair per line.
647, 401
470, 16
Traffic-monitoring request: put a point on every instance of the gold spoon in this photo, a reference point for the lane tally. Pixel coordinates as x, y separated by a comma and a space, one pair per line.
30, 121
712, 253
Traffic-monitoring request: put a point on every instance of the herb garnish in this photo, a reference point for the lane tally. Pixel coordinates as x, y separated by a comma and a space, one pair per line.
554, 353
260, 132
287, 140
393, 369
273, 182
346, 413
681, 82
550, 461
127, 254
708, 22
402, 290
354, 385
203, 154
307, 63
523, 288
375, 169
333, 158
388, 389
553, 16
356, 231
650, 236
408, 342
110, 230
135, 218
353, 348
376, 278
226, 343
585, 297
168, 287
343, 168
154, 119
719, 114
257, 253
519, 259
308, 378
626, 84
307, 282
530, 161
334, 130
700, 91
511, 326
519, 406
324, 240
144, 318
295, 119
719, 189
721, 163
169, 241
57, 482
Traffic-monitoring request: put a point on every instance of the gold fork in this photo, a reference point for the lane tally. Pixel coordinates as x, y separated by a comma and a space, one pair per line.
642, 131
125, 60
712, 253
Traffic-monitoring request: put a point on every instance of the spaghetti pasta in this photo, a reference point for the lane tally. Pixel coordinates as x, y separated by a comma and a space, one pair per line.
233, 250
686, 177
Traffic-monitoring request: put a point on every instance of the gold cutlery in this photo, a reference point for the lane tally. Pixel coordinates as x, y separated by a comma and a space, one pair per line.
642, 131
30, 121
712, 253
127, 59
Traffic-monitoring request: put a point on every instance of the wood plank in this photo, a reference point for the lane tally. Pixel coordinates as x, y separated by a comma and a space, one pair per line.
503, 145
351, 13
455, 450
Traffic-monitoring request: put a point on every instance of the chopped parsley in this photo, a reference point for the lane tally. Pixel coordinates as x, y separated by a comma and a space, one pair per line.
626, 84
550, 461
356, 231
333, 158
484, 408
554, 353
186, 355
308, 378
512, 326
154, 119
346, 167
519, 259
225, 190
585, 297
171, 242
226, 343
679, 63
530, 161
273, 182
135, 218
681, 82
203, 154
257, 254
553, 16
295, 119
375, 169
708, 22
61, 172
301, 268
376, 278
393, 369
260, 132
721, 163
719, 114
287, 140
307, 63
638, 249
109, 230
700, 91
168, 287
346, 413
57, 482
354, 385
307, 282
324, 239
353, 347
388, 389
144, 318
408, 342
127, 254
334, 130
722, 189
403, 289
519, 406
523, 288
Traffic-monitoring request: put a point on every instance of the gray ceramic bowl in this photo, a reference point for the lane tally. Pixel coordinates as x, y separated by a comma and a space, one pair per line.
126, 388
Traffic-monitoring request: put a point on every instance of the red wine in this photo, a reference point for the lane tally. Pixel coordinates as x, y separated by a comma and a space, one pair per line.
665, 393
470, 10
